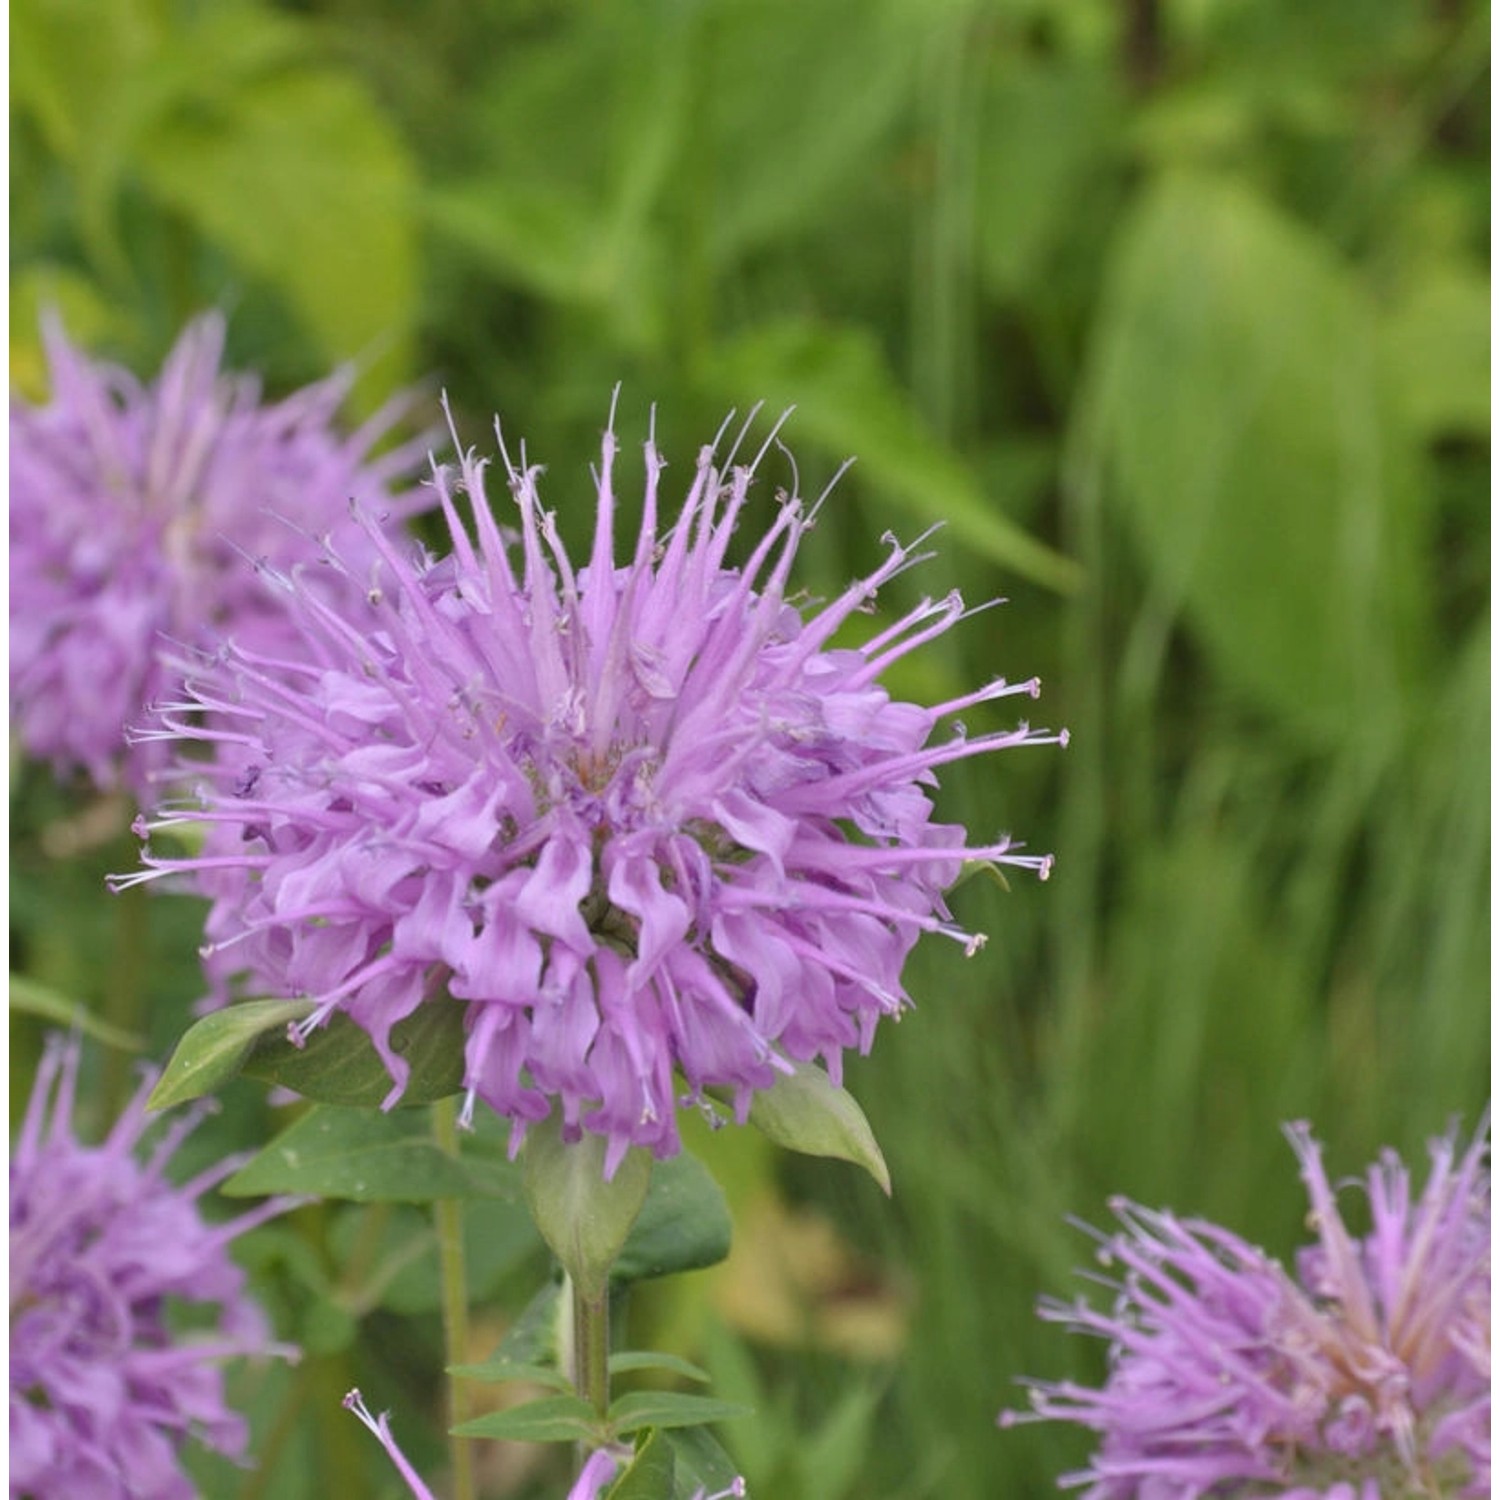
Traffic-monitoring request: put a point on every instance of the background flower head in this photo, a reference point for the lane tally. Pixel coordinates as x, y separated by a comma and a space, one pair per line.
133, 508
103, 1392
642, 816
1364, 1377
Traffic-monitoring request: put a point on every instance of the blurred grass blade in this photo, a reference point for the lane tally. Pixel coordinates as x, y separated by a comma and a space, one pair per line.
33, 999
848, 402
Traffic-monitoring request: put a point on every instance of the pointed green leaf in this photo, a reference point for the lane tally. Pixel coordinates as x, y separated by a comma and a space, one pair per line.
651, 1474
806, 1111
973, 868
585, 1219
214, 1049
625, 1361
368, 1157
702, 1463
683, 1226
638, 1409
338, 1063
497, 1372
1266, 482
552, 1419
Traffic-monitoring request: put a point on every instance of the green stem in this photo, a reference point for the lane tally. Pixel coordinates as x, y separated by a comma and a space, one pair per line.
125, 994
448, 1214
591, 1347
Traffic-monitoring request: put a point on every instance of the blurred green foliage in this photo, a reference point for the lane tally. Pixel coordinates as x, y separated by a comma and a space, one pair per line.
1174, 310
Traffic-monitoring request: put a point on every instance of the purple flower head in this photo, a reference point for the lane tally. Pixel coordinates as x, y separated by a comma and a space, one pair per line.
103, 1393
1364, 1377
132, 510
641, 817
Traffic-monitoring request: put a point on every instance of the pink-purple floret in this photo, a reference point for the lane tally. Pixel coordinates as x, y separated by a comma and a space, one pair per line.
103, 1392
1365, 1377
135, 510
642, 818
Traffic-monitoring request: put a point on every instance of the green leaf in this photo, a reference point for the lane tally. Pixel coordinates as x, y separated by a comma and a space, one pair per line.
33, 999
497, 1372
214, 1049
806, 1111
702, 1463
531, 1342
684, 1224
973, 868
1436, 345
584, 1219
1046, 129
624, 1362
651, 1474
551, 1419
368, 1157
537, 235
849, 403
299, 177
1239, 405
844, 72
630, 1413
338, 1063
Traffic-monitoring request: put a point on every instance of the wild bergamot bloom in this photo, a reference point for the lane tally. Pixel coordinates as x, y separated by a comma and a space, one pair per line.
103, 1391
1364, 1377
642, 816
132, 510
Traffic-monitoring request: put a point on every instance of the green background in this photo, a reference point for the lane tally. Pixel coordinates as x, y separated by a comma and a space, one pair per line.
1174, 313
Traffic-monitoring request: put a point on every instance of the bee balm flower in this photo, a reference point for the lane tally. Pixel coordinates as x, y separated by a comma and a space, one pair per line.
642, 817
103, 1394
132, 511
1365, 1377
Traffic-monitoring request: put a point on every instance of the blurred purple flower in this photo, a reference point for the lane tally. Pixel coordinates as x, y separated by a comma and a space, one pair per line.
103, 1392
642, 818
1364, 1378
132, 510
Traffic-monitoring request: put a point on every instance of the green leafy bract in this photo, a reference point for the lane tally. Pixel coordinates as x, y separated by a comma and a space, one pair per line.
216, 1048
584, 1219
806, 1111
